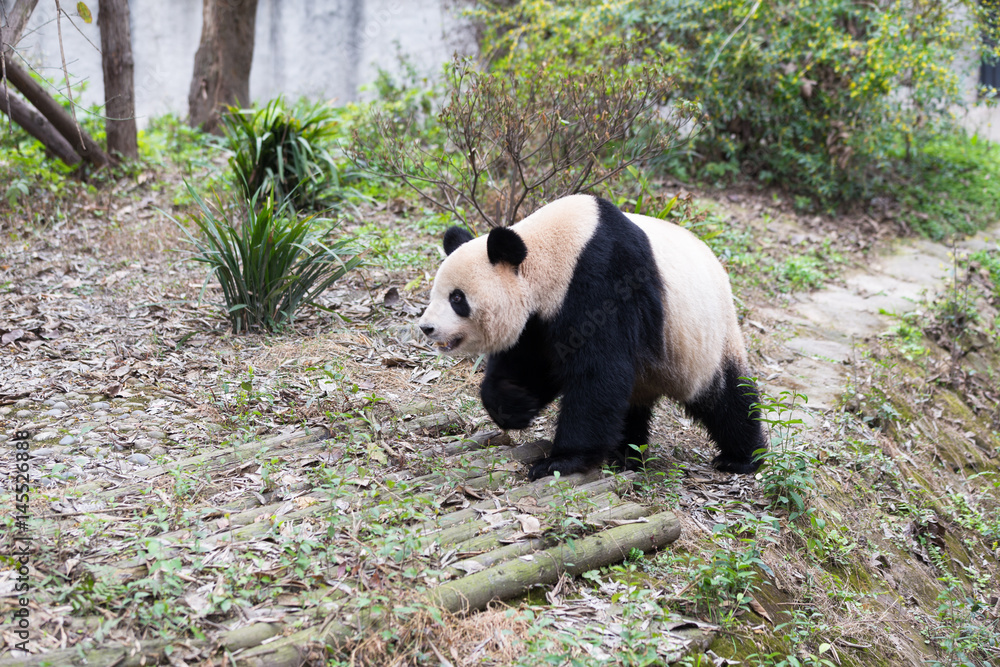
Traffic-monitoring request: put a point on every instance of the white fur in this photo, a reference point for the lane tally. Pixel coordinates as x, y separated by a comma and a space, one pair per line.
501, 299
700, 324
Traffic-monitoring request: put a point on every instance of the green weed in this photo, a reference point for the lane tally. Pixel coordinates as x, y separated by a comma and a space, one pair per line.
963, 634
268, 260
800, 633
169, 140
723, 581
786, 476
285, 153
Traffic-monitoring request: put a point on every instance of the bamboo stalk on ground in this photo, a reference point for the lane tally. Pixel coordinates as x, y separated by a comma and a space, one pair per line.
219, 458
501, 582
150, 652
249, 528
513, 578
502, 579
541, 489
494, 553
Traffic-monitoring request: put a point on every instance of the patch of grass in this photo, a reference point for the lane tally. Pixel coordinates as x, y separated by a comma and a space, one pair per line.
32, 185
168, 140
907, 336
268, 260
952, 186
757, 262
801, 273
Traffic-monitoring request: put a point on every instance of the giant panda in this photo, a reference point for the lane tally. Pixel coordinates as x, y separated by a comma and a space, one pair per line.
607, 309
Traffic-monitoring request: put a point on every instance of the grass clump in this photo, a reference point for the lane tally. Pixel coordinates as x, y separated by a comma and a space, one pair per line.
284, 152
952, 186
268, 260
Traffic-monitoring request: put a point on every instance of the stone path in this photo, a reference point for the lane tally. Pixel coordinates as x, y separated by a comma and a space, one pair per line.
827, 324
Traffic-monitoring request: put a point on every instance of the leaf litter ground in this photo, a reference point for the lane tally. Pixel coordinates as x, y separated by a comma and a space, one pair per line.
199, 490
188, 483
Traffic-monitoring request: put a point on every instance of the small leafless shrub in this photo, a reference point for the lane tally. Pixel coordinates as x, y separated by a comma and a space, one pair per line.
504, 142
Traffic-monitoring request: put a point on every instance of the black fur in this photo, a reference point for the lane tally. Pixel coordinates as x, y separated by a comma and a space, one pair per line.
459, 303
504, 245
726, 409
519, 382
609, 328
454, 237
636, 434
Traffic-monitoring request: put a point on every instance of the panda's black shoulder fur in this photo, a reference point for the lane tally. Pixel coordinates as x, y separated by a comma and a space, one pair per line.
609, 327
616, 287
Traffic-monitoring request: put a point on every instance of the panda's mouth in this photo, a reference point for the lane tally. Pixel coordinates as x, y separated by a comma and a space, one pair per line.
450, 345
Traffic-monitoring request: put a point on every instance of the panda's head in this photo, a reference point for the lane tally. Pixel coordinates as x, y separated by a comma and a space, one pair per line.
479, 303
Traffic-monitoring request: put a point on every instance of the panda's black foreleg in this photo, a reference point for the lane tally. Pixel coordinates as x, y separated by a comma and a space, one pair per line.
728, 413
519, 382
628, 455
513, 402
591, 423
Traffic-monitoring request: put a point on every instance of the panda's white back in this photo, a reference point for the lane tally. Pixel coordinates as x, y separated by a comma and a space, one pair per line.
700, 327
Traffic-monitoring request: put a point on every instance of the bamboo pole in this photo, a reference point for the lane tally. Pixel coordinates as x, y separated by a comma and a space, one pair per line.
475, 591
513, 578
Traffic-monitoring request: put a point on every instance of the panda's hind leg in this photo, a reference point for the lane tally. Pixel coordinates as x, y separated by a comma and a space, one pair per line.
728, 413
628, 455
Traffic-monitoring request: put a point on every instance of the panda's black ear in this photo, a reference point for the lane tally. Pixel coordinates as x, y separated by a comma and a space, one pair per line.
504, 245
454, 237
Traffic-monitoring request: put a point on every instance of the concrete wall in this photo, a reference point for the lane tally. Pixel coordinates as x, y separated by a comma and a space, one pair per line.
976, 118
321, 49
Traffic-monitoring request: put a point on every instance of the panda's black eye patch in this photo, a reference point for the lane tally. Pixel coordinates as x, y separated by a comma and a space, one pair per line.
459, 303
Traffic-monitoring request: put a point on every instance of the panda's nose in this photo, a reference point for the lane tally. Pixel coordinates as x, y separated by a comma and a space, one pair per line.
427, 329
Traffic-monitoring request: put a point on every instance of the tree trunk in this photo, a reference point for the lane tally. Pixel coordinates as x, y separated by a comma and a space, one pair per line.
222, 63
119, 92
17, 18
81, 142
35, 124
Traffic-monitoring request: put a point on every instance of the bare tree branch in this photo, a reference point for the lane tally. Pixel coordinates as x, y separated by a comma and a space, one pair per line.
16, 20
507, 142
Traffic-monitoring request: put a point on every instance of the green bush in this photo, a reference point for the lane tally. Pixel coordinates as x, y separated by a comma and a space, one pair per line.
284, 152
833, 100
825, 98
268, 260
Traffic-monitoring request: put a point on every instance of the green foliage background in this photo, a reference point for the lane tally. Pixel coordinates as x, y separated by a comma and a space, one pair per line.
832, 100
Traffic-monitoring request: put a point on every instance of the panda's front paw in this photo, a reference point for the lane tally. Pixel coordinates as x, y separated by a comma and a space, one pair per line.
507, 419
737, 466
509, 405
562, 465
